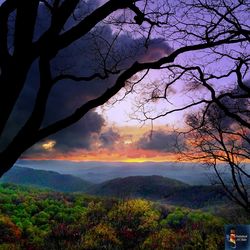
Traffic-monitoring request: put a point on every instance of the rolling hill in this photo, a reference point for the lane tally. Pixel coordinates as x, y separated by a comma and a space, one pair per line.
154, 187
197, 197
48, 179
165, 190
151, 187
99, 172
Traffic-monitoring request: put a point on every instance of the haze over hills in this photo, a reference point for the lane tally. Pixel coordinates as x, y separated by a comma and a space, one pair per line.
157, 188
98, 172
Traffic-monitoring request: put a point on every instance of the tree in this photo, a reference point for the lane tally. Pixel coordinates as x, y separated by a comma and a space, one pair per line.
223, 144
133, 220
102, 236
8, 230
216, 83
190, 26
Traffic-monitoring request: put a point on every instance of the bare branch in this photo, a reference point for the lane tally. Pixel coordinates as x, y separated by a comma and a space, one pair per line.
84, 78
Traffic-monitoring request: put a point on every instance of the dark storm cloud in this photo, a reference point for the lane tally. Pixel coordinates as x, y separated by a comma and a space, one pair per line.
109, 138
83, 58
79, 135
161, 141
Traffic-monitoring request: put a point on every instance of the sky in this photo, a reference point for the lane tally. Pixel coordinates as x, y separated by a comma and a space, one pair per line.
113, 132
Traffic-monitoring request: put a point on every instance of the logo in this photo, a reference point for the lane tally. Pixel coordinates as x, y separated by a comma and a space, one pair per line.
237, 237
231, 237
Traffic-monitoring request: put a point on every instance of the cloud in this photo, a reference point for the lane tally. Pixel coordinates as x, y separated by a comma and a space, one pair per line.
160, 141
157, 48
109, 138
79, 135
83, 58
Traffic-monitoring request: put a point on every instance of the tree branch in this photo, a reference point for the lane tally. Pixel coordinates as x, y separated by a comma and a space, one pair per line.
58, 42
26, 15
84, 78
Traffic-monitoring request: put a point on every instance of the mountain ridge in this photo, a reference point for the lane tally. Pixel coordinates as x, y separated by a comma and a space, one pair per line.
155, 187
47, 179
150, 187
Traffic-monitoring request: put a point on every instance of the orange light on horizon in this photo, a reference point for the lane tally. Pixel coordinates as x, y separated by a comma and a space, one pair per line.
129, 156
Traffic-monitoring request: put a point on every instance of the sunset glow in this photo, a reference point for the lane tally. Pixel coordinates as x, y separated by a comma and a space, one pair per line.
49, 145
119, 144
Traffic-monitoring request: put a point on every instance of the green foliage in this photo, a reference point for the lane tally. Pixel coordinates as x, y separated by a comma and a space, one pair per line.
133, 221
175, 218
164, 239
102, 236
38, 219
35, 212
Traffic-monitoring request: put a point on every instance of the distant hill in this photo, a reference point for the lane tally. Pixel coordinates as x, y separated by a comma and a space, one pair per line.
154, 187
98, 172
163, 189
197, 197
151, 187
48, 179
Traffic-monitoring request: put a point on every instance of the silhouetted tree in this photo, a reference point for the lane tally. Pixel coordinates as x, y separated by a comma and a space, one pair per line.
192, 26
215, 82
223, 144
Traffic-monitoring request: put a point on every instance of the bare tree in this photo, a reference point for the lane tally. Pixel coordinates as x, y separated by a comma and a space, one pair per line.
221, 143
215, 82
201, 76
192, 26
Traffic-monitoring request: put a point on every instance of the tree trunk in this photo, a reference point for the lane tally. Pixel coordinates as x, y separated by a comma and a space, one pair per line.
7, 160
12, 79
15, 149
